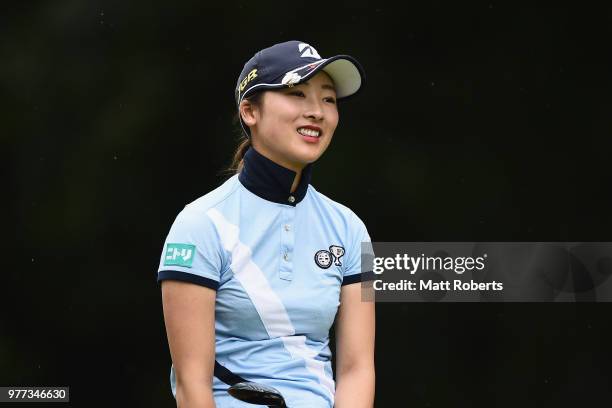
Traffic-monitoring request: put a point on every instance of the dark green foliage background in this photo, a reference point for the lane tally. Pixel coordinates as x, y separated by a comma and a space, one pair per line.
482, 121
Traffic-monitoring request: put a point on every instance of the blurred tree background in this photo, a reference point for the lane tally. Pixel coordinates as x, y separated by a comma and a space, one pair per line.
484, 121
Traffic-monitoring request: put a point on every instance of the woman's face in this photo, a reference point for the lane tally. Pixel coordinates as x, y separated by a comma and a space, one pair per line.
294, 126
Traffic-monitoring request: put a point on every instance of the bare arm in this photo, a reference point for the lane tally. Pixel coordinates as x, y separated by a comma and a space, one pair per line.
355, 329
189, 314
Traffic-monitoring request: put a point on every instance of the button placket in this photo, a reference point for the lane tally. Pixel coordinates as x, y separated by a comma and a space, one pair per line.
287, 243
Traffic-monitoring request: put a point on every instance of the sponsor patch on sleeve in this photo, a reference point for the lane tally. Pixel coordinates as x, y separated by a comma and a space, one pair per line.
179, 255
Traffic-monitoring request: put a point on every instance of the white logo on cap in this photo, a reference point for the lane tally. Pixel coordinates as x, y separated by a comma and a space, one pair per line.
291, 78
308, 51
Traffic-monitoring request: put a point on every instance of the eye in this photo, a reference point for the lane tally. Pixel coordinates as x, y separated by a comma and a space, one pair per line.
296, 93
330, 99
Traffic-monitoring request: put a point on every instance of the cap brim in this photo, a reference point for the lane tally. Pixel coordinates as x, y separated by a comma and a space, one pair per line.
347, 74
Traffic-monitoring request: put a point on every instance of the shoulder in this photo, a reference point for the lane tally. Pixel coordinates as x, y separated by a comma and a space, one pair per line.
336, 210
214, 198
195, 213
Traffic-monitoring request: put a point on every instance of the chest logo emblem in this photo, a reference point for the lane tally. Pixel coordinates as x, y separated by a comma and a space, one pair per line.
325, 258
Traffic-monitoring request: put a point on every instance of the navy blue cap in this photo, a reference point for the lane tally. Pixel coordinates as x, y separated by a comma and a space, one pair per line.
293, 62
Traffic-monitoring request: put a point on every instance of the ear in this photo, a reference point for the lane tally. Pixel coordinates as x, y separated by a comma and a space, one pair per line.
248, 112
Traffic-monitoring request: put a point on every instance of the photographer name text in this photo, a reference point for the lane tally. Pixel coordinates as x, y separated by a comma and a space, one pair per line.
431, 285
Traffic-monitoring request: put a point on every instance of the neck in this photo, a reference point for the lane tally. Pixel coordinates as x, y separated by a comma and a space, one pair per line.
297, 168
296, 180
272, 181
282, 162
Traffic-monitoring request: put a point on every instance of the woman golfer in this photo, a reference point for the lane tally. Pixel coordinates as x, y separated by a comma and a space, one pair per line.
255, 272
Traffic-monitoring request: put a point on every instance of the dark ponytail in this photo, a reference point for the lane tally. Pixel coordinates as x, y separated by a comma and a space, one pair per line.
237, 159
244, 141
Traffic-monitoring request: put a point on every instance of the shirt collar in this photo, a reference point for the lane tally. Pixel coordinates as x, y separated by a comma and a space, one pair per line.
271, 181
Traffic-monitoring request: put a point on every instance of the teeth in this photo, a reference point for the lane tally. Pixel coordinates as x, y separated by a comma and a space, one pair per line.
308, 132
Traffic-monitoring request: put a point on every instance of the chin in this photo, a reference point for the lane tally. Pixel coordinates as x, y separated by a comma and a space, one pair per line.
308, 157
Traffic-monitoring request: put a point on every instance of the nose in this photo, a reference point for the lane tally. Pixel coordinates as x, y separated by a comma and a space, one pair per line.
314, 110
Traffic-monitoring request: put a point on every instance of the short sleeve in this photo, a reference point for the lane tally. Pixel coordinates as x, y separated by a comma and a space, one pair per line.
192, 251
361, 247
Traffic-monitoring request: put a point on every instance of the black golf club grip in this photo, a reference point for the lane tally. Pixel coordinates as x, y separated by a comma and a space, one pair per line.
258, 394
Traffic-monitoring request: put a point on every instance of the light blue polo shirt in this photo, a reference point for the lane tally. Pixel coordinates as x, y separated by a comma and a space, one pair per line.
277, 261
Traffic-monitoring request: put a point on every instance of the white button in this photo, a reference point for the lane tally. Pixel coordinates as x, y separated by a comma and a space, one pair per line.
287, 227
291, 199
286, 257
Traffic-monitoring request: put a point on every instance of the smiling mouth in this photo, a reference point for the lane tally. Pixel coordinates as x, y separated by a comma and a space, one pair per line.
309, 132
